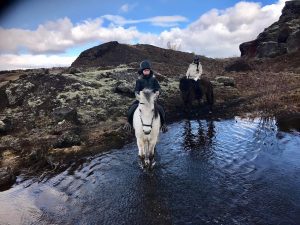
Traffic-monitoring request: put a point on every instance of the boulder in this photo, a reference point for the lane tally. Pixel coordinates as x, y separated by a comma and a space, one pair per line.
65, 113
124, 88
293, 42
3, 99
7, 178
249, 49
73, 70
227, 81
270, 49
280, 38
67, 139
16, 91
2, 126
5, 125
238, 66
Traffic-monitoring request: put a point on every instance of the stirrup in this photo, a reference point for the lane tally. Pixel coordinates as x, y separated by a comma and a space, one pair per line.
127, 127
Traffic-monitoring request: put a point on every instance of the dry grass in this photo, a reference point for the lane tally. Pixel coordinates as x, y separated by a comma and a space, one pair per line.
268, 92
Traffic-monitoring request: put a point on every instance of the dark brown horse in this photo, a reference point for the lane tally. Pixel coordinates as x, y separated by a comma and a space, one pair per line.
190, 92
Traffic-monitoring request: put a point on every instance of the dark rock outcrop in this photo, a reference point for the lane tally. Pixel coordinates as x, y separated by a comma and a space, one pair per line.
125, 89
66, 113
3, 99
239, 65
280, 38
7, 178
114, 53
68, 139
226, 81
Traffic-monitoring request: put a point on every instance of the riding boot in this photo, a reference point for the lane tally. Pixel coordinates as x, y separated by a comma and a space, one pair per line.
162, 114
129, 124
198, 89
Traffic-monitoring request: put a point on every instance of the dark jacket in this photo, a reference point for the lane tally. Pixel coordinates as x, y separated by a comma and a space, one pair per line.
149, 82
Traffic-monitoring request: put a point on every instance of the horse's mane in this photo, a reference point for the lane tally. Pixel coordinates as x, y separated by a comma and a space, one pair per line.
148, 93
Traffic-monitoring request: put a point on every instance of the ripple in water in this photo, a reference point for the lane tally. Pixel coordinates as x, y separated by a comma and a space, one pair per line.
207, 172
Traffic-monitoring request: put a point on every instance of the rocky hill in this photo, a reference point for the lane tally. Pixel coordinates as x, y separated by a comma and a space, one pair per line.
165, 61
280, 38
114, 54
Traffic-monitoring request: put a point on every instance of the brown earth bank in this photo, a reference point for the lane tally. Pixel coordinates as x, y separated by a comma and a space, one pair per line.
51, 118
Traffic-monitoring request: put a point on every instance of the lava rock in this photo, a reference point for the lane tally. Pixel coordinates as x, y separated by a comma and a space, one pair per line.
227, 81
125, 89
238, 66
66, 113
7, 178
68, 139
280, 38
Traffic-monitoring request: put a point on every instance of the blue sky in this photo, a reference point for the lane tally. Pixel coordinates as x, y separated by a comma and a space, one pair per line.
44, 30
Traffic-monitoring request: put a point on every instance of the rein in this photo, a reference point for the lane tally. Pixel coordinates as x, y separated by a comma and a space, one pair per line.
146, 125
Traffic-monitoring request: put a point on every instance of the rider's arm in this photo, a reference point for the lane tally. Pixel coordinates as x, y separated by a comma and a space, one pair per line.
138, 87
156, 86
199, 73
200, 70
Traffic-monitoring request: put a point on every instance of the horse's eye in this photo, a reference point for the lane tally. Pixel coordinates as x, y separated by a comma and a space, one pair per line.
152, 110
140, 110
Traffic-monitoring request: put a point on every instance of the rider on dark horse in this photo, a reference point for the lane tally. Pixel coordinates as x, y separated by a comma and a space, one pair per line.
194, 73
146, 80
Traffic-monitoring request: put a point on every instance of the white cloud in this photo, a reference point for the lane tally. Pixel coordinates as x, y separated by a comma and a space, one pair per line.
125, 8
216, 33
57, 36
163, 21
27, 61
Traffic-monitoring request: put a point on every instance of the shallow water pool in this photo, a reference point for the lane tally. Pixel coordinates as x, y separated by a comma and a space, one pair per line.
235, 171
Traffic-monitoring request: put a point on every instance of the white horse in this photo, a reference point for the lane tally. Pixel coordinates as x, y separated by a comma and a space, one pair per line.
146, 123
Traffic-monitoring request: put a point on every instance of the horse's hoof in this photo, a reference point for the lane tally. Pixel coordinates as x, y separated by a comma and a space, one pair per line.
147, 162
142, 165
152, 164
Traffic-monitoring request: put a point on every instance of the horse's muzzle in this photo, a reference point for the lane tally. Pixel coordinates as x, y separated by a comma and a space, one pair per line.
147, 132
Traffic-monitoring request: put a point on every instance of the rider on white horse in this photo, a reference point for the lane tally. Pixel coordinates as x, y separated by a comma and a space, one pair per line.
146, 81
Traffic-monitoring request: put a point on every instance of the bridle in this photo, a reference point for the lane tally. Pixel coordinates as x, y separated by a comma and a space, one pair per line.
146, 125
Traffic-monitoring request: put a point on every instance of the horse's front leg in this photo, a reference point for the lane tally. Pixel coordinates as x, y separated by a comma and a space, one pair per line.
199, 102
152, 152
141, 147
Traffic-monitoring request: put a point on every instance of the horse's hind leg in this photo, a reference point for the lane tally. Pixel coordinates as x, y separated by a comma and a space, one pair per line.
210, 99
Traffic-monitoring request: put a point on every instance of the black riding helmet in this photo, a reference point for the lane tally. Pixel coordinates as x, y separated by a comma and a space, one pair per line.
144, 65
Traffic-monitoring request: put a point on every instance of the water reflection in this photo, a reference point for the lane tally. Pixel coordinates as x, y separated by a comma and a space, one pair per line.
202, 138
152, 202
